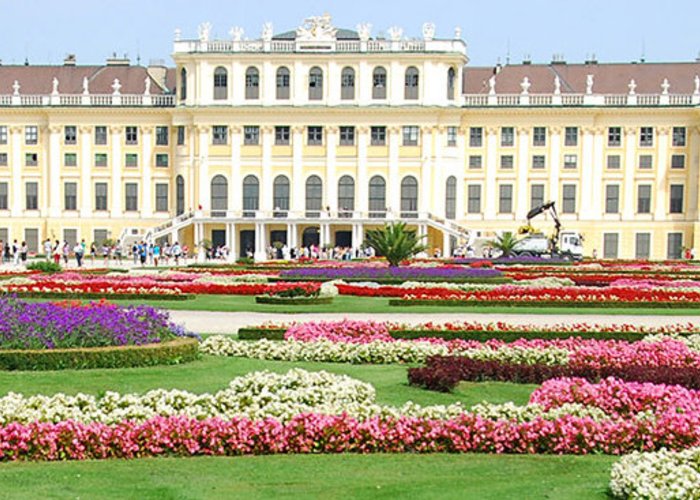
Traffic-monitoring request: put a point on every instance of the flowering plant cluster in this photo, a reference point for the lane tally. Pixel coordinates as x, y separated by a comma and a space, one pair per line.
25, 325
403, 273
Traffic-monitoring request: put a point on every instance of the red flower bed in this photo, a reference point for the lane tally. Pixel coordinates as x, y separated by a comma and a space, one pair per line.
443, 373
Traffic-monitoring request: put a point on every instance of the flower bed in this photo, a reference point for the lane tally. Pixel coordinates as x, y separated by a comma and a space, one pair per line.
659, 475
455, 274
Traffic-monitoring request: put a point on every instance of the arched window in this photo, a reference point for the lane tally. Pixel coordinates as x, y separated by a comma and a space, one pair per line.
219, 196
409, 197
314, 196
451, 197
347, 84
451, 84
379, 83
283, 83
179, 195
220, 83
315, 84
183, 84
280, 195
377, 197
411, 83
252, 83
251, 195
346, 196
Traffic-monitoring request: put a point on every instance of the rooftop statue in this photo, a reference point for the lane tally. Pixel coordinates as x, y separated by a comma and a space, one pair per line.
317, 28
54, 91
589, 84
525, 85
632, 86
364, 30
86, 85
557, 85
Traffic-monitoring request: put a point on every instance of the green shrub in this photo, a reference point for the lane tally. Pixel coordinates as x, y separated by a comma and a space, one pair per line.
253, 333
97, 296
181, 350
536, 304
292, 301
44, 266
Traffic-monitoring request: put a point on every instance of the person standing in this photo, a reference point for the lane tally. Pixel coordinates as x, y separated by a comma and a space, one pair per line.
143, 252
175, 250
156, 253
47, 249
93, 252
6, 252
56, 251
23, 251
66, 252
79, 251
15, 252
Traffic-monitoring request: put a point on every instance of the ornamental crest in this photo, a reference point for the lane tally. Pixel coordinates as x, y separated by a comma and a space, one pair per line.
317, 28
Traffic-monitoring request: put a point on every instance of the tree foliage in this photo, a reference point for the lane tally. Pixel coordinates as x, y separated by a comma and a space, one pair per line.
505, 243
395, 242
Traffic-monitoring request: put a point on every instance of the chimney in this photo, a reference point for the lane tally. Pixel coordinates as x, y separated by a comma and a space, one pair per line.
591, 59
558, 59
118, 61
70, 60
527, 60
157, 70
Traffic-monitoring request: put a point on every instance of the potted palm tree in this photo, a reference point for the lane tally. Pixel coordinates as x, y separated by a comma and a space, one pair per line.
395, 243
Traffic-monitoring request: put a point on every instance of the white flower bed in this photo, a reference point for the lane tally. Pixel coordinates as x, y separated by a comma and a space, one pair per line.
376, 352
659, 475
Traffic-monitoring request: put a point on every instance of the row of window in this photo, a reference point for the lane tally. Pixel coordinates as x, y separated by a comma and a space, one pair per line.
70, 196
642, 245
538, 162
315, 83
70, 135
101, 160
31, 237
571, 136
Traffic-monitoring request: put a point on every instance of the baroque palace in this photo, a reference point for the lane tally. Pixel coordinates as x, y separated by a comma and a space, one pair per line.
317, 134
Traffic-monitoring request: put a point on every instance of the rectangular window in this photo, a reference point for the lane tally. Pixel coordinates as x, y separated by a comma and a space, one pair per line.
505, 198
4, 234
538, 161
474, 161
131, 160
70, 236
646, 136
70, 159
131, 135
476, 137
378, 136
507, 162
347, 136
31, 135
3, 159
31, 237
678, 161
676, 199
162, 160
219, 134
539, 136
451, 136
314, 136
131, 196
568, 200
99, 236
70, 134
70, 196
474, 198
642, 245
536, 195
31, 159
410, 136
3, 134
4, 202
161, 136
282, 136
161, 197
610, 243
100, 196
32, 195
100, 135
612, 199
674, 246
613, 162
644, 199
678, 137
645, 161
251, 135
507, 137
571, 136
180, 135
614, 136
100, 159
570, 161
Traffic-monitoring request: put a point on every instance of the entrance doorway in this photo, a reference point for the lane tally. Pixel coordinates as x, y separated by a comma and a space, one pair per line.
310, 236
280, 236
247, 239
218, 237
343, 239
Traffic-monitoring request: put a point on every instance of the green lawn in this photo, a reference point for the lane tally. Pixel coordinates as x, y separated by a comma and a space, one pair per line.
314, 476
349, 304
339, 476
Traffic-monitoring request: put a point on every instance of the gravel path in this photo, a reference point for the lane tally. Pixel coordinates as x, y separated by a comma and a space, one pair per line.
230, 322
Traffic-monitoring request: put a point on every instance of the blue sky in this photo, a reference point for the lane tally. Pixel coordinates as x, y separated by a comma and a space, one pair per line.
615, 30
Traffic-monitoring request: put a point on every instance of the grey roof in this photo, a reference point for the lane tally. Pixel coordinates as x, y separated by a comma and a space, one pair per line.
341, 34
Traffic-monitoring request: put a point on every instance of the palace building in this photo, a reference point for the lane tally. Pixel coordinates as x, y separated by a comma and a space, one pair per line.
318, 134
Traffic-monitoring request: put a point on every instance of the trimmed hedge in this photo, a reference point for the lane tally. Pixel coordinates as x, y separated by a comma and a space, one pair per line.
536, 304
252, 333
292, 301
500, 280
172, 352
92, 296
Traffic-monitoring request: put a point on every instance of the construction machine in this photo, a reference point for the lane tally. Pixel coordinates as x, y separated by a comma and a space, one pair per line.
563, 244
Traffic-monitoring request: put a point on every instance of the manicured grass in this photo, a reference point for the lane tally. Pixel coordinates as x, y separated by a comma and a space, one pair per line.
349, 304
314, 476
213, 373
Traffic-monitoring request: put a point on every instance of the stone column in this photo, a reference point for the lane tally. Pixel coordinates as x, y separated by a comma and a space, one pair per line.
554, 165
235, 186
146, 134
204, 199
490, 193
115, 133
522, 166
693, 173
86, 205
297, 181
16, 201
662, 186
394, 181
426, 191
232, 242
598, 162
362, 179
54, 168
331, 191
266, 177
460, 201
584, 205
629, 207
